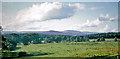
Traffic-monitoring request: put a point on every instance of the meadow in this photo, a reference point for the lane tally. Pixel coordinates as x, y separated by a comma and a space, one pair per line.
70, 49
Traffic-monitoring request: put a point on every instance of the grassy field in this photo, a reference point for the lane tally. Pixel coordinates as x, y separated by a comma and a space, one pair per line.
73, 49
107, 40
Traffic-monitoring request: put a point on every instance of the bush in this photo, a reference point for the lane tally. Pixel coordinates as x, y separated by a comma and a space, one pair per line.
10, 54
8, 44
102, 39
11, 45
115, 39
98, 39
22, 54
25, 43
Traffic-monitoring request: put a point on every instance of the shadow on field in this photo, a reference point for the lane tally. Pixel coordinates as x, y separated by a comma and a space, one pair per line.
101, 57
17, 48
94, 57
20, 55
38, 54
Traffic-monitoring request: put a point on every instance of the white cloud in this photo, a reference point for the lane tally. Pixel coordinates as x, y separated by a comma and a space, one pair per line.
105, 29
28, 18
107, 17
114, 30
93, 8
52, 16
7, 21
88, 23
78, 5
108, 29
93, 23
48, 11
94, 26
96, 23
113, 18
0, 19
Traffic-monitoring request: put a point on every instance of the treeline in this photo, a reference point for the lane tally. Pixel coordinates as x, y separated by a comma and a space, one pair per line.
105, 35
9, 41
35, 38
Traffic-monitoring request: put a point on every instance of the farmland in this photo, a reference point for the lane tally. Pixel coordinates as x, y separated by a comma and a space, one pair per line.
33, 45
73, 49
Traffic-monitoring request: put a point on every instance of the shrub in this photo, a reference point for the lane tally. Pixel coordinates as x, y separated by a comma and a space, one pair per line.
102, 39
11, 45
8, 44
22, 54
25, 43
98, 39
115, 39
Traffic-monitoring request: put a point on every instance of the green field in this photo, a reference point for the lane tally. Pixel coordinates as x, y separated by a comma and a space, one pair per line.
107, 40
73, 49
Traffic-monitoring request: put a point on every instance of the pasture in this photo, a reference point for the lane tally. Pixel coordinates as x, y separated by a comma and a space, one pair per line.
73, 49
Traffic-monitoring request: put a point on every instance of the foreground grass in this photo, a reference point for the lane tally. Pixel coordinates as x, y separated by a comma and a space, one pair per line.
73, 49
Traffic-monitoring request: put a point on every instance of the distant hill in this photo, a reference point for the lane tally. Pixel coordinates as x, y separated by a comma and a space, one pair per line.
52, 32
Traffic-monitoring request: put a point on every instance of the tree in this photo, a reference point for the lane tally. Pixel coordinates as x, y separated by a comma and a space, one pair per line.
115, 39
11, 45
67, 39
79, 39
82, 39
71, 39
4, 44
15, 37
30, 37
25, 40
76, 39
86, 38
98, 39
8, 44
102, 39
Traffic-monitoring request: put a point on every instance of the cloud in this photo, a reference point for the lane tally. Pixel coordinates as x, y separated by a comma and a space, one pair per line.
48, 11
28, 17
52, 16
0, 19
113, 18
93, 8
107, 28
97, 22
93, 23
78, 5
107, 17
114, 30
88, 23
7, 21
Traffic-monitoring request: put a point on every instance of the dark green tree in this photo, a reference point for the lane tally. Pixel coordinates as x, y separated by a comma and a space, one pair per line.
8, 44
102, 39
115, 39
30, 37
98, 39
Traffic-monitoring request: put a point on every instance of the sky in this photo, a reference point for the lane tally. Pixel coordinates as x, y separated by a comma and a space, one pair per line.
60, 16
59, 0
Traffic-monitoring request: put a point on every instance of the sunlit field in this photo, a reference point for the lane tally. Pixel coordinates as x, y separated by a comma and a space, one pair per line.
73, 49
107, 40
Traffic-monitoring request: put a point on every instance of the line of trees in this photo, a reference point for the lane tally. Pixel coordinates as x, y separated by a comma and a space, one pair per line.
35, 38
105, 35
